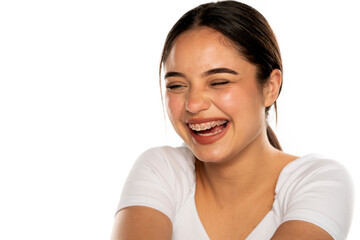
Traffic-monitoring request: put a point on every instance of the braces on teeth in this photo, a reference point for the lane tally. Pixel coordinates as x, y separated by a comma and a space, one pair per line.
207, 125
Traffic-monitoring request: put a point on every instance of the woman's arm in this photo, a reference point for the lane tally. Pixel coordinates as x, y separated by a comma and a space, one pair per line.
138, 223
316, 201
300, 230
147, 205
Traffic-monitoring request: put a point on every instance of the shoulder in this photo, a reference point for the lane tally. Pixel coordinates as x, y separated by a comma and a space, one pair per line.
171, 165
317, 190
313, 167
167, 158
161, 178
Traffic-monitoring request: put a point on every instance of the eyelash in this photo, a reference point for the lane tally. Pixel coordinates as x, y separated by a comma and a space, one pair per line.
178, 86
175, 86
219, 83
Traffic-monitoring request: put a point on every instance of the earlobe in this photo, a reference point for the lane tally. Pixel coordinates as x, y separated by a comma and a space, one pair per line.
272, 87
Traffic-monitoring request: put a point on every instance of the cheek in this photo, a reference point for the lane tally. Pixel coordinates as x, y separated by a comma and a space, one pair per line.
240, 102
230, 100
173, 106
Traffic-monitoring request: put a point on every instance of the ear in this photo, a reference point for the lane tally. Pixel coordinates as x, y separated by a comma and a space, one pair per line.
272, 87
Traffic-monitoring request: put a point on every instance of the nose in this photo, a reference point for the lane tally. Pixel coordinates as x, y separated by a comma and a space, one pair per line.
197, 101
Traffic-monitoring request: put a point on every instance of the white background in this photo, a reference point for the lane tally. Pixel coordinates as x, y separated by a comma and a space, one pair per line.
80, 100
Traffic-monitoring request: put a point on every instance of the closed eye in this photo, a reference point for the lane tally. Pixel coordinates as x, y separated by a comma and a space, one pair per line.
219, 83
175, 86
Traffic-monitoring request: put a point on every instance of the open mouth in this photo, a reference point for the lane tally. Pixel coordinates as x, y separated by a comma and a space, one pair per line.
208, 128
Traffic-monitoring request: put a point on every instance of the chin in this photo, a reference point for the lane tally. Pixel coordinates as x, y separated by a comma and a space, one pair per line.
207, 155
220, 152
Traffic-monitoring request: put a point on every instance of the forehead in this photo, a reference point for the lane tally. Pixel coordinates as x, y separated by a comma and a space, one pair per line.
202, 48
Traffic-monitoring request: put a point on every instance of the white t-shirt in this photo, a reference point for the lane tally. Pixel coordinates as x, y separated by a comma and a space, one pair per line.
309, 188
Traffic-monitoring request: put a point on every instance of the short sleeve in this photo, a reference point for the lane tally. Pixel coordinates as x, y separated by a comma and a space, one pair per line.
149, 184
321, 193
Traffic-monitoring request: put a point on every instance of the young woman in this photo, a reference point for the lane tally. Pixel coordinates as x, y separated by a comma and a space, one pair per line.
231, 180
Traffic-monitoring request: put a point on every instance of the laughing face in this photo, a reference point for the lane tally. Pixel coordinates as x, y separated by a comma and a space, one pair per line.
212, 97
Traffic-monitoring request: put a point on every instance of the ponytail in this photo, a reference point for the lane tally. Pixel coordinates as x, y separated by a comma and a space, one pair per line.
272, 138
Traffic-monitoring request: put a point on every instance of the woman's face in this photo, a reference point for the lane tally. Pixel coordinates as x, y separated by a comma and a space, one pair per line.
212, 97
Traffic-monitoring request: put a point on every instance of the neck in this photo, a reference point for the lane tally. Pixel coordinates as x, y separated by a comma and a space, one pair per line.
248, 174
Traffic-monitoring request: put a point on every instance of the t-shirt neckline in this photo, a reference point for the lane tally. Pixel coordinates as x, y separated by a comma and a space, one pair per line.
281, 175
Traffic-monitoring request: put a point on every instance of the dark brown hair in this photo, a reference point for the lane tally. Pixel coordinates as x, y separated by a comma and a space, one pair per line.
247, 29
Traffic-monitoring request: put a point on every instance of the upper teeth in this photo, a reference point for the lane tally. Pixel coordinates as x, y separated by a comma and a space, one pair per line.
206, 125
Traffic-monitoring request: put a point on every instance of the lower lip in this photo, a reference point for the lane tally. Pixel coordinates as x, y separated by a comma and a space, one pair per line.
209, 139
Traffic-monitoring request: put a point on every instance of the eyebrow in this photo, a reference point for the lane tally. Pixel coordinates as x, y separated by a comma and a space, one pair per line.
173, 74
207, 73
219, 70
